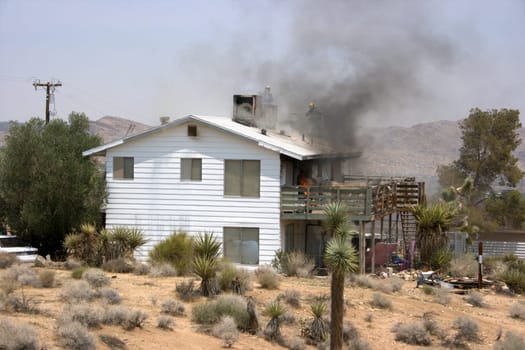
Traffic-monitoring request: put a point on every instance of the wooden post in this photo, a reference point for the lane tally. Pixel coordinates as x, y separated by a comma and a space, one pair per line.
480, 264
373, 246
362, 246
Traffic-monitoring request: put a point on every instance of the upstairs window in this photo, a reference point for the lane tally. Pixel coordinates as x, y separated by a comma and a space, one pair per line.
191, 169
242, 178
123, 168
192, 130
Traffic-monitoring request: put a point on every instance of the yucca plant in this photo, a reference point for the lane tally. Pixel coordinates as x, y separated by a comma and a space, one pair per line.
432, 223
126, 240
82, 245
318, 327
274, 310
337, 218
206, 246
206, 269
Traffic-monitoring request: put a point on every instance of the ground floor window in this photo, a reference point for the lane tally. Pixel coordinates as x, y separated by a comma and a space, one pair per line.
241, 244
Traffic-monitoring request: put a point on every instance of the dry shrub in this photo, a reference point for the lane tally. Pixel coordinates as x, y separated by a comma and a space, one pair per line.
442, 296
15, 335
467, 329
517, 310
88, 315
512, 341
163, 270
77, 291
172, 307
464, 266
432, 327
228, 273
412, 333
292, 297
362, 281
226, 329
119, 265
288, 318
75, 336
47, 278
428, 290
96, 277
349, 332
267, 277
6, 260
71, 264
380, 301
141, 269
110, 295
165, 322
298, 264
296, 343
22, 274
124, 317
111, 341
209, 313
20, 303
176, 250
186, 290
359, 344
475, 299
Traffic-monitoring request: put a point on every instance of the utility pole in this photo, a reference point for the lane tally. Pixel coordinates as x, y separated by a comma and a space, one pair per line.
50, 89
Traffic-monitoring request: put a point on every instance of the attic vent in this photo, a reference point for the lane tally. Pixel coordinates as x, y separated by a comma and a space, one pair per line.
192, 130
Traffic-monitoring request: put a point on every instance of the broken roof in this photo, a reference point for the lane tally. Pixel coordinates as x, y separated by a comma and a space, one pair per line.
275, 141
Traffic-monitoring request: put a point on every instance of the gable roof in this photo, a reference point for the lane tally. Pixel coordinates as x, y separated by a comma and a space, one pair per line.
277, 142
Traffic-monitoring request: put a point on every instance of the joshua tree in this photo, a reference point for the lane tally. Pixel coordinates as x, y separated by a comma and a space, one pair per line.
340, 257
205, 264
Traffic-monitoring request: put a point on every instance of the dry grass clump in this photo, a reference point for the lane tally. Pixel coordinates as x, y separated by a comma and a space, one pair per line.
227, 330
380, 301
296, 343
141, 269
267, 277
512, 341
186, 290
412, 333
467, 329
464, 266
47, 278
119, 265
77, 291
86, 314
111, 341
71, 264
6, 260
22, 274
298, 264
172, 307
231, 276
475, 299
75, 336
210, 312
14, 336
288, 318
517, 310
124, 317
110, 295
442, 296
359, 344
292, 297
163, 270
95, 277
20, 303
388, 285
165, 322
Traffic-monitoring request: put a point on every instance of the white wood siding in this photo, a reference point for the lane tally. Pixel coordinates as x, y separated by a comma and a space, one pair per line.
158, 202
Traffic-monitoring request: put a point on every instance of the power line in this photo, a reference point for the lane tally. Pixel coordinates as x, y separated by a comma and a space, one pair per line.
50, 91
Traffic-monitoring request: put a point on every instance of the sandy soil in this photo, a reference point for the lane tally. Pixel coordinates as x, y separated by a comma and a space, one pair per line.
146, 293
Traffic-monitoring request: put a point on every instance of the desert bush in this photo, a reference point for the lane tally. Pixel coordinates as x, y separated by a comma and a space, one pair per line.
361, 281
165, 322
432, 327
512, 341
86, 314
77, 291
441, 259
442, 296
47, 278
17, 336
22, 274
297, 264
412, 333
96, 277
296, 343
228, 273
172, 307
141, 269
83, 245
288, 318
119, 242
6, 260
163, 270
428, 290
515, 279
517, 310
464, 266
380, 301
78, 272
111, 341
292, 297
177, 250
185, 290
267, 277
75, 336
274, 310
225, 305
21, 303
396, 284
467, 329
124, 317
475, 299
226, 329
110, 295
349, 332
119, 265
71, 264
359, 344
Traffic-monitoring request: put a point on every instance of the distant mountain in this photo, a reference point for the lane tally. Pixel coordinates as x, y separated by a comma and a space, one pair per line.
113, 128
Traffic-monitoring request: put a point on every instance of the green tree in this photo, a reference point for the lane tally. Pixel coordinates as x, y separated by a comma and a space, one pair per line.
489, 139
48, 188
507, 209
340, 257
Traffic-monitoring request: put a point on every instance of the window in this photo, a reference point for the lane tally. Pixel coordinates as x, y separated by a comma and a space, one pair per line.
242, 178
241, 245
191, 169
123, 167
192, 130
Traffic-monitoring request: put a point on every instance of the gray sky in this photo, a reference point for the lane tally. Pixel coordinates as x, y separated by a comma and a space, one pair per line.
374, 62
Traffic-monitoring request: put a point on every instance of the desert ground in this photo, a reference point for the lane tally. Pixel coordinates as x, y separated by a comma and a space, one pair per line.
374, 324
